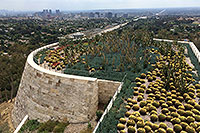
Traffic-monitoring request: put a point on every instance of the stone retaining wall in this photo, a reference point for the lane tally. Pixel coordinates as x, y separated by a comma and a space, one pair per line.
44, 94
107, 90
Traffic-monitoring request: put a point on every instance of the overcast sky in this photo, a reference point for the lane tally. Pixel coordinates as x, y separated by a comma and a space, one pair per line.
37, 5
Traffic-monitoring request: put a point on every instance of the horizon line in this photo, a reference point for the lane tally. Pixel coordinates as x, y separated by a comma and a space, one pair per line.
99, 9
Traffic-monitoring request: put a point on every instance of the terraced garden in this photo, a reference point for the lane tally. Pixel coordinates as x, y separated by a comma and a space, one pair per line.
161, 88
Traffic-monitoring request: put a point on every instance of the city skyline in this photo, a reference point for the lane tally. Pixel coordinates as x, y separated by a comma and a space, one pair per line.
37, 5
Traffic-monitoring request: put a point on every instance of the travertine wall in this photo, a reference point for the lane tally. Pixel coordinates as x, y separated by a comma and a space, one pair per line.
45, 95
107, 90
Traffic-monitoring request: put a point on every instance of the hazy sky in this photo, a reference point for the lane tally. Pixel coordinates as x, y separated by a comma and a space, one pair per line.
36, 5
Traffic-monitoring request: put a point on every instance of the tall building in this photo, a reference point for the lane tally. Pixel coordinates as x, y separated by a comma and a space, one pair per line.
125, 15
50, 12
109, 15
91, 15
97, 14
57, 11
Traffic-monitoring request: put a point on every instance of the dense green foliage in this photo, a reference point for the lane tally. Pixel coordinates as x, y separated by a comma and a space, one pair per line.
19, 37
49, 126
194, 61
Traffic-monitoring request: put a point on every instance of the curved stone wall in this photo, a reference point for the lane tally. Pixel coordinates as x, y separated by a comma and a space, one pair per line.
44, 94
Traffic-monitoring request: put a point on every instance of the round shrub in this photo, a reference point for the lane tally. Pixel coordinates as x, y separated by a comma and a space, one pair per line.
191, 102
143, 103
188, 107
130, 104
129, 100
190, 119
161, 117
177, 128
120, 126
156, 104
174, 114
137, 79
163, 125
132, 117
198, 130
139, 119
197, 118
122, 120
134, 101
164, 110
153, 112
191, 94
177, 103
141, 90
143, 75
197, 106
157, 96
182, 118
169, 103
198, 95
188, 113
194, 125
141, 130
140, 124
168, 118
152, 108
190, 129
143, 111
148, 123
136, 107
180, 98
187, 98
138, 84
131, 123
150, 79
135, 88
147, 129
139, 98
197, 86
161, 130
148, 91
154, 118
142, 80
122, 131
131, 129
195, 111
127, 114
135, 93
172, 109
181, 107
169, 98
127, 107
175, 121
180, 112
183, 132
170, 130
155, 127
184, 125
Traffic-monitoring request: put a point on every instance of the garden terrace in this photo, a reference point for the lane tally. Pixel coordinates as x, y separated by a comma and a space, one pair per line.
160, 90
102, 57
164, 99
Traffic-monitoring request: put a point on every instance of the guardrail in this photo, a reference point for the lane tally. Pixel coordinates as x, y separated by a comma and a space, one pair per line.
195, 50
21, 124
